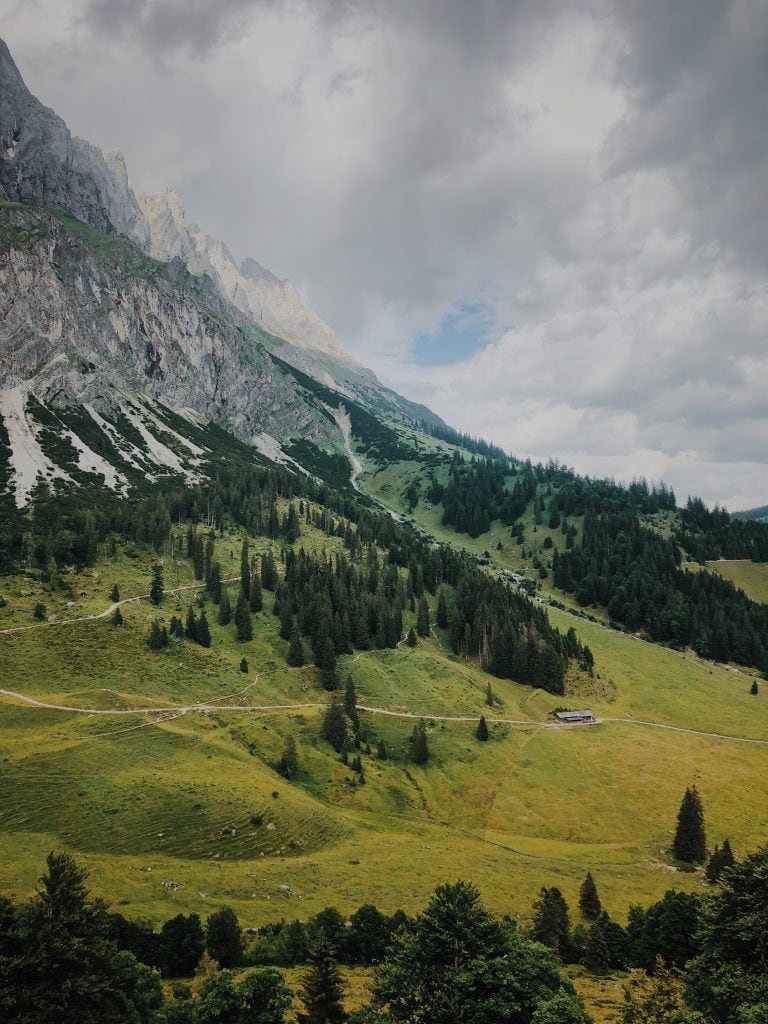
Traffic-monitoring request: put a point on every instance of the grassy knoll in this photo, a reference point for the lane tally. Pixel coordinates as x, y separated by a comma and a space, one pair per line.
193, 799
752, 577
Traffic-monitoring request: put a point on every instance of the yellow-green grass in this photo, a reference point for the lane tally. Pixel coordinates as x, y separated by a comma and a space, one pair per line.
751, 577
177, 793
603, 996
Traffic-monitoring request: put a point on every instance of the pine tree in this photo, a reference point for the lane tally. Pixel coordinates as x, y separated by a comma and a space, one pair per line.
551, 922
243, 625
328, 677
176, 628
288, 764
442, 611
114, 594
203, 631
268, 571
243, 665
589, 900
117, 618
224, 616
720, 859
156, 587
754, 688
350, 703
411, 639
422, 618
213, 583
489, 698
256, 600
191, 627
295, 649
245, 572
690, 843
419, 745
381, 751
321, 991
481, 733
155, 640
334, 728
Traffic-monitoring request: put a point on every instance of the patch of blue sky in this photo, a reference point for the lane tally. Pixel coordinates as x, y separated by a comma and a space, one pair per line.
462, 332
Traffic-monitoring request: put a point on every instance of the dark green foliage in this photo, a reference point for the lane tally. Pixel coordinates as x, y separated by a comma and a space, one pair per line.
350, 703
243, 665
268, 571
481, 733
562, 1008
117, 618
328, 676
369, 935
190, 630
690, 843
728, 980
381, 751
489, 698
256, 600
224, 616
245, 571
158, 637
589, 900
261, 998
295, 649
419, 749
754, 689
203, 631
38, 612
442, 610
156, 588
667, 929
243, 625
59, 962
288, 764
551, 921
321, 992
720, 859
334, 728
114, 594
456, 963
176, 628
223, 938
213, 582
422, 618
607, 947
183, 941
411, 639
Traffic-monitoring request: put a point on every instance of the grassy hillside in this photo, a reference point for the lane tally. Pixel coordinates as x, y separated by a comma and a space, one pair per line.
180, 808
752, 577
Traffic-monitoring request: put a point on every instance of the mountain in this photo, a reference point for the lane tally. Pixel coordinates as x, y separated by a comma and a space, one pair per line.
118, 314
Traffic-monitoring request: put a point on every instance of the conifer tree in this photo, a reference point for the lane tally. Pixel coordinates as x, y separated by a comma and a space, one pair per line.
245, 571
203, 631
551, 922
489, 698
243, 665
213, 582
381, 751
224, 616
754, 689
442, 610
720, 859
256, 600
422, 617
191, 627
334, 728
321, 991
419, 745
690, 843
411, 639
589, 900
156, 588
114, 594
350, 703
268, 571
288, 764
117, 618
155, 640
243, 625
481, 733
176, 628
328, 677
295, 649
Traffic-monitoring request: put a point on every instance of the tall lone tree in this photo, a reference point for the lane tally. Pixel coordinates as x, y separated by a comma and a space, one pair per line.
481, 732
690, 843
243, 626
156, 588
321, 991
589, 900
419, 747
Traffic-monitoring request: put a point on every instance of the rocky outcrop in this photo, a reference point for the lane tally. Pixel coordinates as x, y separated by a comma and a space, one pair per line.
43, 164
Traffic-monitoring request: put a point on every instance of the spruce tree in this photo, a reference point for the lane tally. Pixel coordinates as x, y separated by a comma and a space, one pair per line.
419, 745
156, 588
381, 751
224, 616
191, 627
295, 649
203, 631
114, 594
256, 600
328, 677
754, 689
551, 922
243, 625
411, 639
350, 703
243, 665
690, 843
321, 991
589, 900
155, 639
481, 733
213, 582
117, 618
720, 859
422, 618
442, 611
489, 698
334, 728
245, 571
288, 764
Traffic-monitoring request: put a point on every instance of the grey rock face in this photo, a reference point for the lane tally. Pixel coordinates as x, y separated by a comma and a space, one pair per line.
43, 164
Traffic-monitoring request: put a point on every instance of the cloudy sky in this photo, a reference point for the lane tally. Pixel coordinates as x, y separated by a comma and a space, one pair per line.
547, 219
